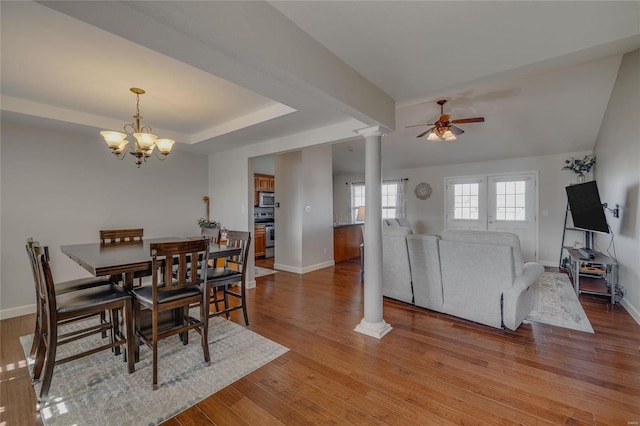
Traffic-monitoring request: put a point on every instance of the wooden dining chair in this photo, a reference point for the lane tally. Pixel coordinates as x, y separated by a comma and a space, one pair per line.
174, 288
61, 288
59, 309
124, 236
233, 272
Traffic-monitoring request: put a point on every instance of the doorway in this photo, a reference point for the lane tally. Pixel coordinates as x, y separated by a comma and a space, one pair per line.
498, 202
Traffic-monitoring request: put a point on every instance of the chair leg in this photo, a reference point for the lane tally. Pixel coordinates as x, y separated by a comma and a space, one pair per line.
226, 300
243, 300
49, 360
136, 328
155, 349
115, 329
128, 324
204, 332
103, 319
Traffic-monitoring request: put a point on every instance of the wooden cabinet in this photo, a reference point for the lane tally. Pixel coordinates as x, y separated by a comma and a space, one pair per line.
346, 242
259, 238
264, 183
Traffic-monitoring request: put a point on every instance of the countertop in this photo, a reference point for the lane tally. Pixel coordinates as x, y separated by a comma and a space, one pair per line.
342, 225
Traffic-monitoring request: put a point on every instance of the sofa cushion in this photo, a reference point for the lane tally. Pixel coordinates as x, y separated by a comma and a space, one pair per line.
397, 221
396, 271
424, 258
489, 237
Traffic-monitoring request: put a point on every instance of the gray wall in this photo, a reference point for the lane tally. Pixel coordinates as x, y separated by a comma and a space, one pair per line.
617, 151
62, 188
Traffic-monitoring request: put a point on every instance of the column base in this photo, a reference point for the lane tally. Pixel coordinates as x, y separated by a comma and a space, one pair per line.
377, 330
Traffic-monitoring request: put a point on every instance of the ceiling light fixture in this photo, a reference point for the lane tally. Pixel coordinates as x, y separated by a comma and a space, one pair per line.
441, 133
143, 138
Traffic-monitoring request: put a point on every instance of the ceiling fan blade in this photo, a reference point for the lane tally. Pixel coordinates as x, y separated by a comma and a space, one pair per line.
456, 130
419, 125
425, 132
468, 120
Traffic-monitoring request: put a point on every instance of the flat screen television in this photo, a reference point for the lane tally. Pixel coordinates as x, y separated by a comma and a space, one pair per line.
586, 208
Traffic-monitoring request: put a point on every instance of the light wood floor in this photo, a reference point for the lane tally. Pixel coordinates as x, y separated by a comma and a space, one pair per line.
431, 369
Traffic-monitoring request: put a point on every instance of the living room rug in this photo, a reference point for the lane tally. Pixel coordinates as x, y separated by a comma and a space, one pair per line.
556, 303
261, 272
96, 390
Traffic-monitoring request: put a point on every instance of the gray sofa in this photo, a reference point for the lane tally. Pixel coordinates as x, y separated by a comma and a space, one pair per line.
476, 275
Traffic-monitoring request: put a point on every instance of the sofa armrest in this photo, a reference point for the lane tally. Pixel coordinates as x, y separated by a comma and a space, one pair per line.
518, 300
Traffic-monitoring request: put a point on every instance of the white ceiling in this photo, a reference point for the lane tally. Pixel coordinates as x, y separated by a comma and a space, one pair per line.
540, 72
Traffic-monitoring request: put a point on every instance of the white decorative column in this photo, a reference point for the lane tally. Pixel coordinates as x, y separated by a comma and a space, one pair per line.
373, 324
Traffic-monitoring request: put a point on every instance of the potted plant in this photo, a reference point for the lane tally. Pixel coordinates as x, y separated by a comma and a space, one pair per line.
580, 166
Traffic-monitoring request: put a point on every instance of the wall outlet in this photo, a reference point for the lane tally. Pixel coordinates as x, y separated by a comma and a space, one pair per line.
308, 209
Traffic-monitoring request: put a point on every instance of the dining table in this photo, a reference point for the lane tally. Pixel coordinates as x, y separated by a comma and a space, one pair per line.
125, 259
129, 258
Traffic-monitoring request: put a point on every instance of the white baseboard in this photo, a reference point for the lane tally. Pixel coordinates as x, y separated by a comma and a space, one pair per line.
635, 314
251, 284
306, 269
17, 312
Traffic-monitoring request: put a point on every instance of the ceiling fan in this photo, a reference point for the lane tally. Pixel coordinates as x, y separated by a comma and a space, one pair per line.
443, 128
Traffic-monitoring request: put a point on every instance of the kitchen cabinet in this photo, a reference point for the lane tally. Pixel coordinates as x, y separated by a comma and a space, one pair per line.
346, 241
259, 238
264, 183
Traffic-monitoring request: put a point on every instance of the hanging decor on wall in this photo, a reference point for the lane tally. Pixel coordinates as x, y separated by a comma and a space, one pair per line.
144, 141
423, 191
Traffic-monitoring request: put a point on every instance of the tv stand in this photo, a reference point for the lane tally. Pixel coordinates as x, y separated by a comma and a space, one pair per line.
607, 268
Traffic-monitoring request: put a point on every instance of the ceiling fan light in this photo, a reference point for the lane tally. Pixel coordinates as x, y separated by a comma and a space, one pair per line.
433, 136
452, 138
448, 134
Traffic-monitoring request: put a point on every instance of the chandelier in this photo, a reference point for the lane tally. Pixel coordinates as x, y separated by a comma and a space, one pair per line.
143, 139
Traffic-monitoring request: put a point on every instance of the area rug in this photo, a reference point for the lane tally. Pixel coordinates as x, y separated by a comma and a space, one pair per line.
261, 272
96, 390
556, 303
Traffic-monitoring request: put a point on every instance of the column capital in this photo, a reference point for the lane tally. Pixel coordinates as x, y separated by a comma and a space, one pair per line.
373, 131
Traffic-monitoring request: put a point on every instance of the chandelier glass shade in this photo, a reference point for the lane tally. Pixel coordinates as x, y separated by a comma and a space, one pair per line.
144, 141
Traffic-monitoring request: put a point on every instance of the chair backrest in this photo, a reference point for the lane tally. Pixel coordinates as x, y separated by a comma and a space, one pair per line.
175, 265
46, 285
240, 239
213, 234
121, 236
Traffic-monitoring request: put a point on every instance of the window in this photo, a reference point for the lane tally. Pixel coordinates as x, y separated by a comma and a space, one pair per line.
465, 201
510, 200
389, 192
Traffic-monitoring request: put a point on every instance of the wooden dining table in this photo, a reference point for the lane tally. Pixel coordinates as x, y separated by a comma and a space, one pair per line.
128, 258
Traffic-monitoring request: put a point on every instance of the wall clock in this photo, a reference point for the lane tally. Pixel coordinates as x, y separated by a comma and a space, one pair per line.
423, 191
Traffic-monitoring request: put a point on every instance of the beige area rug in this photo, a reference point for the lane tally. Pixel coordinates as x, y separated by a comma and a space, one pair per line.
96, 390
556, 303
261, 272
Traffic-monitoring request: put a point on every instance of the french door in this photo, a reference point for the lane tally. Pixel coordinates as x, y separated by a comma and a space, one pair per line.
507, 202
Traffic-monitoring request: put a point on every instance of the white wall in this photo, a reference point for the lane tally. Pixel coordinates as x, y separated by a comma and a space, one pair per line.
317, 191
617, 152
427, 216
304, 239
62, 188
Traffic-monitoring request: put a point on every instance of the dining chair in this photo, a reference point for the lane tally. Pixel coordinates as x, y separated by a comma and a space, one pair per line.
124, 236
61, 288
234, 271
60, 309
174, 289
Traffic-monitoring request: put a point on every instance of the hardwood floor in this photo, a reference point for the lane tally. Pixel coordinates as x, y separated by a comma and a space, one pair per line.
431, 369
